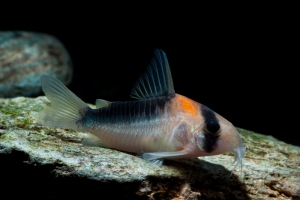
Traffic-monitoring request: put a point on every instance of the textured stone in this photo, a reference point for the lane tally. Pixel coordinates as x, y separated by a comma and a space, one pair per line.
270, 170
25, 56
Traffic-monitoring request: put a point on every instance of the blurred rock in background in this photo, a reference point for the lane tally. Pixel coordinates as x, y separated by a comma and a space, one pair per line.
25, 56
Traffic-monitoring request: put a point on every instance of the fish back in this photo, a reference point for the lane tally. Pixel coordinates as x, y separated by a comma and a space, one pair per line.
129, 112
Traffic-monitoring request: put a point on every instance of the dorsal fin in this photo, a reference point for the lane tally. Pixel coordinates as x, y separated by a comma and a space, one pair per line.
156, 81
100, 103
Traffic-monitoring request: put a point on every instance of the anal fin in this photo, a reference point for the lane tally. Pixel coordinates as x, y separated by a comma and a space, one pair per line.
92, 141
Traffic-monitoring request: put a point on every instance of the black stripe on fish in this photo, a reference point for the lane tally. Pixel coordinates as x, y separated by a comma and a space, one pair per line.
129, 112
211, 139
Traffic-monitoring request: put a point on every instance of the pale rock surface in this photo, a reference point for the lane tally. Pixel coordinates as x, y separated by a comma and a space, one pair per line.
25, 56
59, 167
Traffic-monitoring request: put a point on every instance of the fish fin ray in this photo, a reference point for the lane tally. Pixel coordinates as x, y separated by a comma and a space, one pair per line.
65, 105
155, 162
156, 81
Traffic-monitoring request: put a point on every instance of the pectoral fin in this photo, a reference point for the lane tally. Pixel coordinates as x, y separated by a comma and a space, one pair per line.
157, 157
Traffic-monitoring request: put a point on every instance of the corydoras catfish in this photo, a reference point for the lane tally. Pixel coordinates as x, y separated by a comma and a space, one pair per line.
159, 125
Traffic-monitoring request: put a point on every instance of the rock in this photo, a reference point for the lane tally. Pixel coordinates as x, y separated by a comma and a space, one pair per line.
59, 167
25, 56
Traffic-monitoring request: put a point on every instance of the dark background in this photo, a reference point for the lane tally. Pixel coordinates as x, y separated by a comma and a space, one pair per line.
241, 65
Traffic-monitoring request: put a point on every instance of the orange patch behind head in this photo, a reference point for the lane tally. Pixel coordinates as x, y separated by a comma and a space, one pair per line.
188, 105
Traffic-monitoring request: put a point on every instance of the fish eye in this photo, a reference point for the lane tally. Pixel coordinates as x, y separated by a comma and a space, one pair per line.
213, 126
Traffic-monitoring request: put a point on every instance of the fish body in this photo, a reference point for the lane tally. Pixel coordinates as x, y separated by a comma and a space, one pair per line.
160, 124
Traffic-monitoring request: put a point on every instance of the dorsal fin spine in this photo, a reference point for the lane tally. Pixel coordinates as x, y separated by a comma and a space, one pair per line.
156, 81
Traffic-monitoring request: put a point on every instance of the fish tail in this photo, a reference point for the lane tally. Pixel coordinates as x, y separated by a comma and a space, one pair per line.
65, 108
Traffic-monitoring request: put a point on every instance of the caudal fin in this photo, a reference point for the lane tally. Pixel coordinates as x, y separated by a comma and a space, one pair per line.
65, 105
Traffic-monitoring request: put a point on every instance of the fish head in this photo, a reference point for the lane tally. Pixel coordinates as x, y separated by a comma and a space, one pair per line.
217, 136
